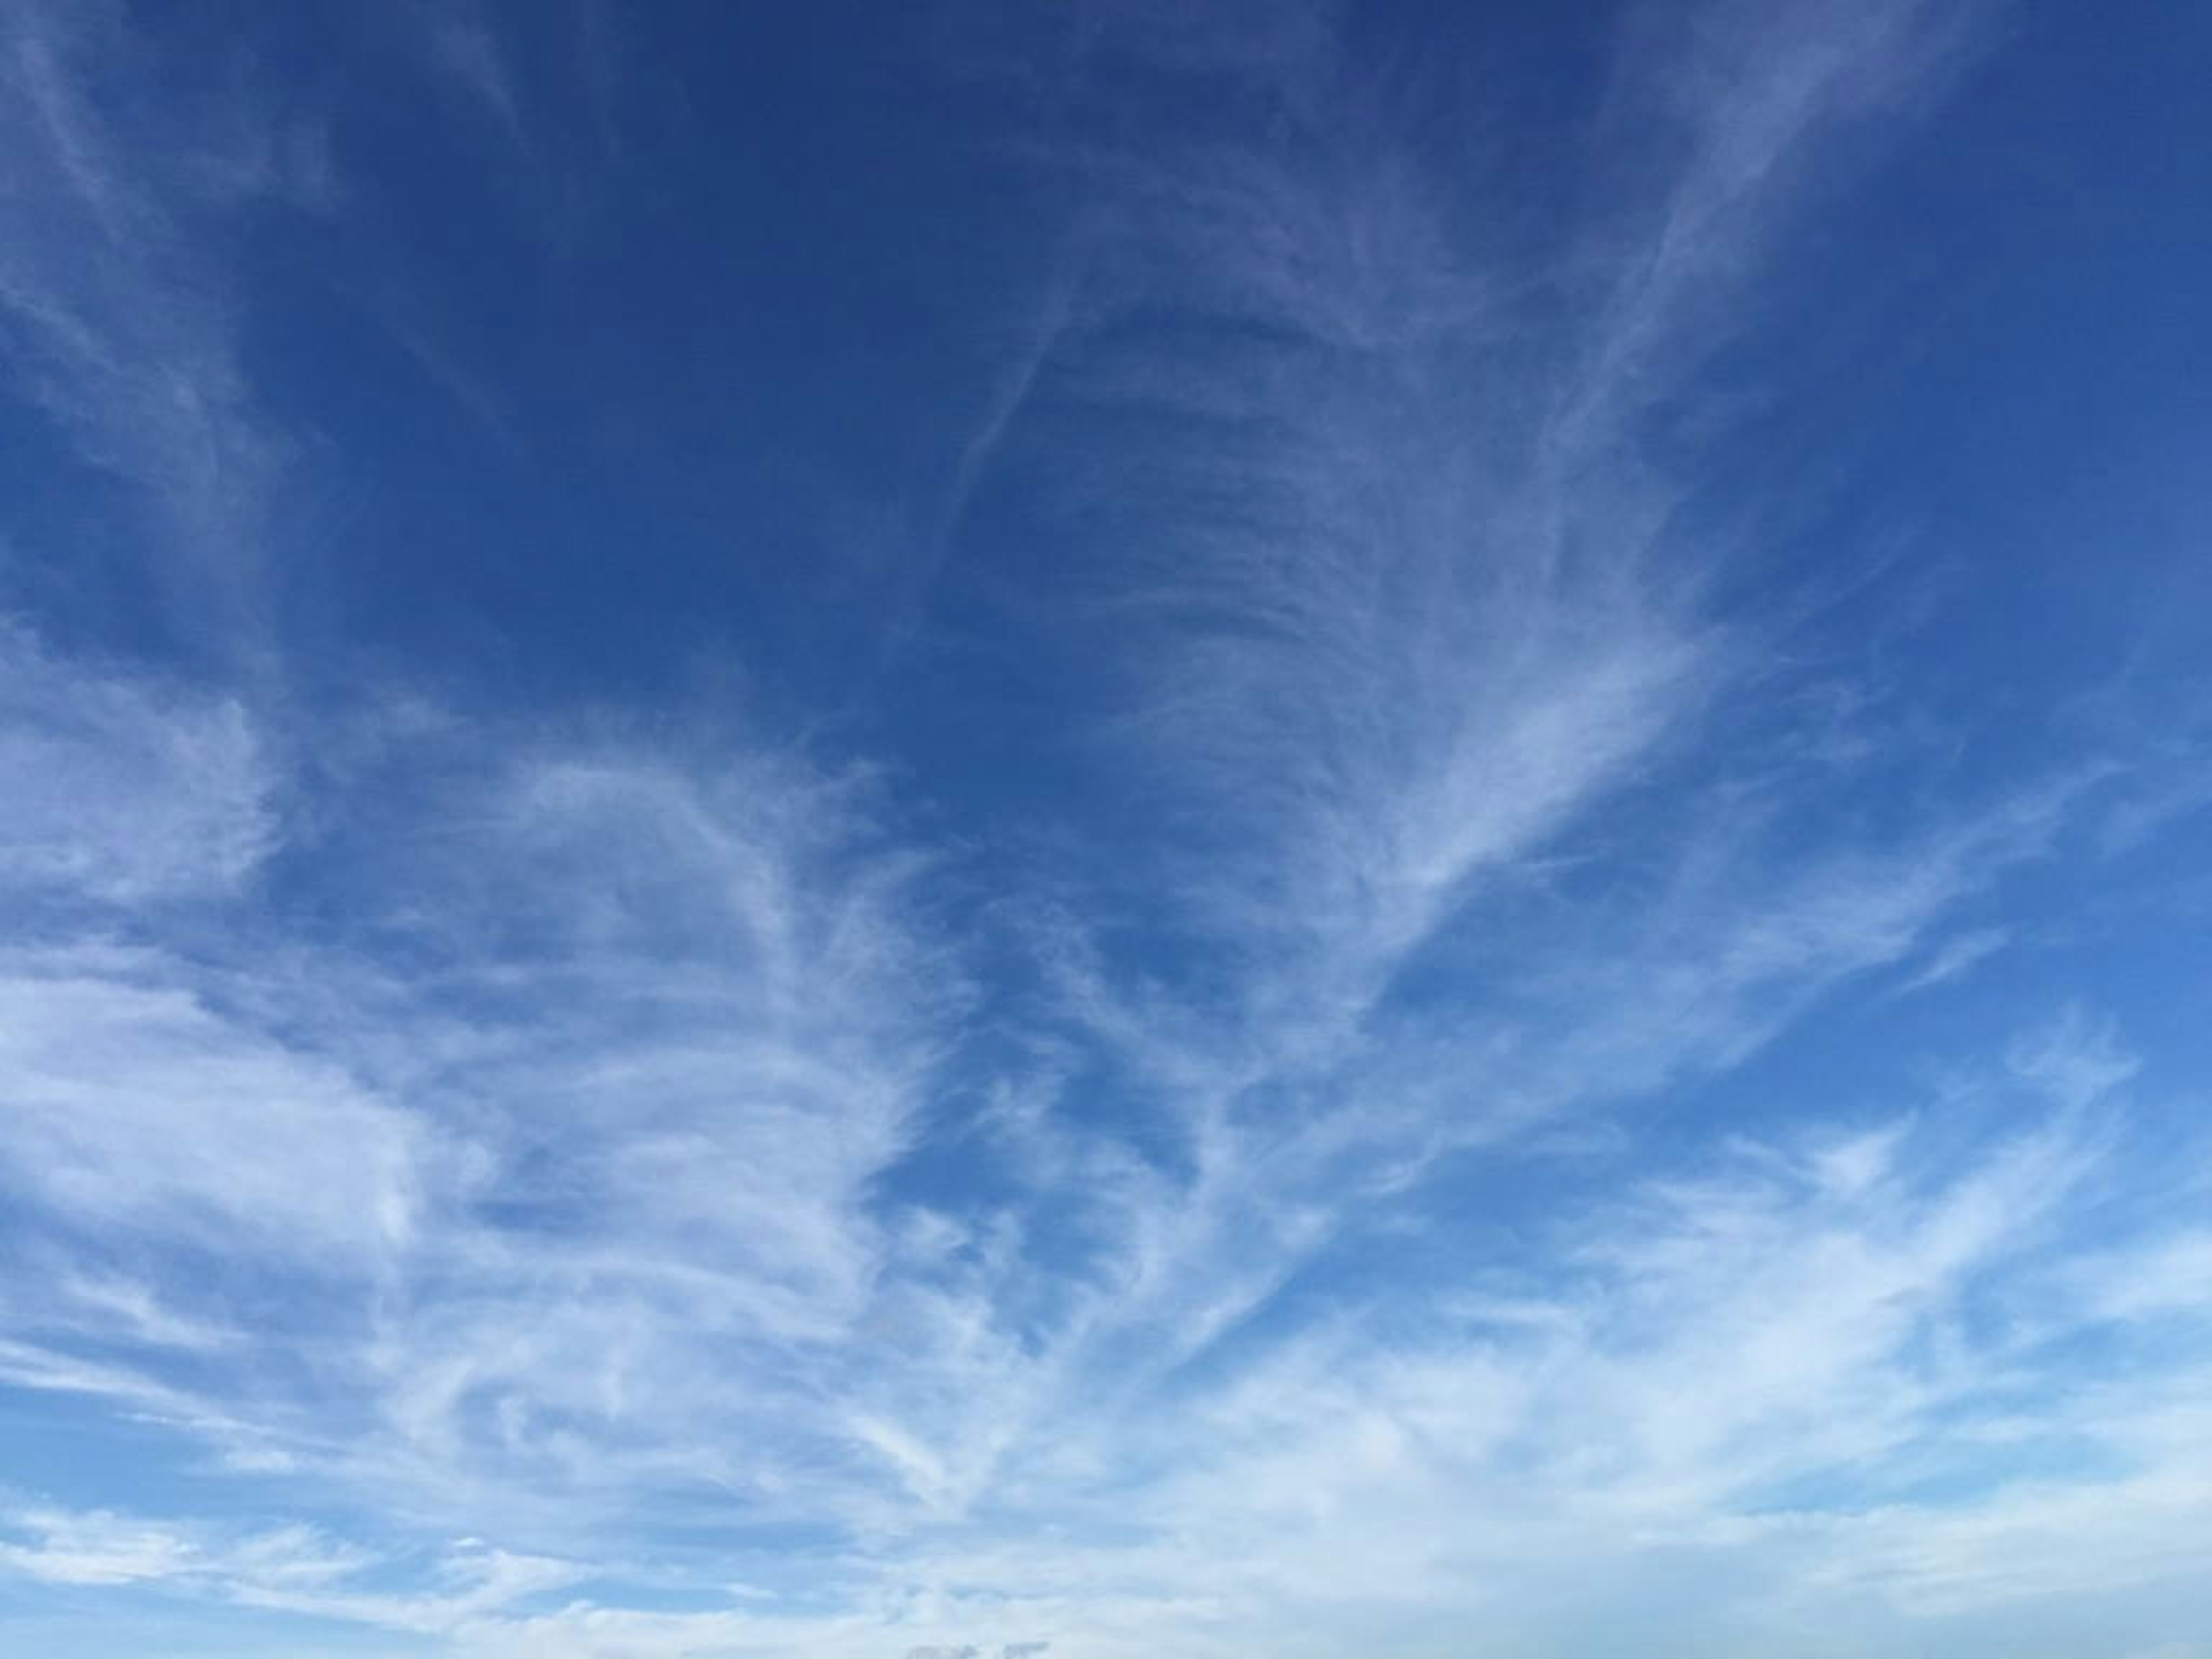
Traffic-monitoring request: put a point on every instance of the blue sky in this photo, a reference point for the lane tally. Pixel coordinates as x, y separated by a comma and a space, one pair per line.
1127, 830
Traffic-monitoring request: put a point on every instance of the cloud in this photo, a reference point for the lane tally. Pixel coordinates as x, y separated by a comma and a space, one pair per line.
467, 51
1388, 637
1763, 1360
98, 1547
291, 1569
760, 1208
114, 320
105, 1058
124, 789
552, 1163
1387, 610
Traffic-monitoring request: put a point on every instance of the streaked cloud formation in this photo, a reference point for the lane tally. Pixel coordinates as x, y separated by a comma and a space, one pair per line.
1292, 858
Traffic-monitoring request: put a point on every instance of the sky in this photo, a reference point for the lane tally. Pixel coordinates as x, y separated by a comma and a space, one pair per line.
1121, 829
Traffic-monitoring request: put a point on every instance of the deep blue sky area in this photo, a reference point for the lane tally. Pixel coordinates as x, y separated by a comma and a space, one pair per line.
1145, 830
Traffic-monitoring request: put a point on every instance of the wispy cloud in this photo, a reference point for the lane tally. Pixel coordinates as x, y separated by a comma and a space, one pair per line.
648, 1182
124, 789
117, 322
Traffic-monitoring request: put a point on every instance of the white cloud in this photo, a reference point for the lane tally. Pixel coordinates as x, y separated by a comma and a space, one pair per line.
112, 317
124, 789
552, 1159
130, 1102
290, 1569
